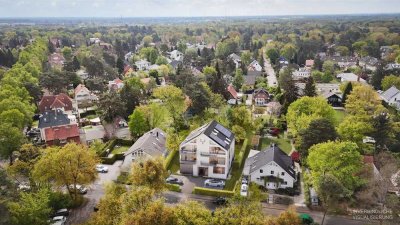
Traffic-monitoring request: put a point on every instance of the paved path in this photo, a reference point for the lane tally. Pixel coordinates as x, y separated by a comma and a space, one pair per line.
271, 77
96, 191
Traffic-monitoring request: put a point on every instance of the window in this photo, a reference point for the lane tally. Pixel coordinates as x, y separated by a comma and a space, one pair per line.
285, 182
261, 171
283, 173
219, 170
272, 172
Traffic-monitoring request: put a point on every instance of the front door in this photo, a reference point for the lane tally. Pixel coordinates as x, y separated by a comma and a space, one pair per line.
203, 171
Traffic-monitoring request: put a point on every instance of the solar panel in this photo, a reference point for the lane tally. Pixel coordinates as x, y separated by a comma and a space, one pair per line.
223, 130
218, 140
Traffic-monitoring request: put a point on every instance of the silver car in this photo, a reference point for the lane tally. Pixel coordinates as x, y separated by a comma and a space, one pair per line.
214, 183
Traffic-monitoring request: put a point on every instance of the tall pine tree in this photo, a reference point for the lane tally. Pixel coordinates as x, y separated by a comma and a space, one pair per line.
347, 91
309, 89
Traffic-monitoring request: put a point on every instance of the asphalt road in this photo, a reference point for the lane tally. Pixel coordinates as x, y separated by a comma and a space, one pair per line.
271, 76
96, 191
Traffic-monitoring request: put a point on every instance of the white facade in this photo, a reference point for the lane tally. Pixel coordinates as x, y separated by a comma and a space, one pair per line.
302, 73
272, 169
142, 64
204, 157
176, 55
255, 66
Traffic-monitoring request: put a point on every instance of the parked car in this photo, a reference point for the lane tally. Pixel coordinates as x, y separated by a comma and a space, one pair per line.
59, 220
369, 140
244, 190
220, 201
81, 189
24, 186
174, 180
214, 183
101, 169
61, 212
244, 181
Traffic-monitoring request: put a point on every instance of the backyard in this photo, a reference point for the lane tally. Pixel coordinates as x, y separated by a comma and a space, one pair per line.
283, 143
340, 115
119, 149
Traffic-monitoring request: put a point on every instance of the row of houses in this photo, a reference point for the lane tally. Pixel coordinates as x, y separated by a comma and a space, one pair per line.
209, 150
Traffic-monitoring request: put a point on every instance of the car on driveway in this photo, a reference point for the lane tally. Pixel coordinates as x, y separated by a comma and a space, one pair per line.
244, 190
81, 189
101, 169
174, 180
220, 201
214, 183
59, 220
61, 212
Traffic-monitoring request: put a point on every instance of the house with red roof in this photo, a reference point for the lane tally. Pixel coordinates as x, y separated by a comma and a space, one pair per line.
53, 102
116, 84
233, 95
62, 134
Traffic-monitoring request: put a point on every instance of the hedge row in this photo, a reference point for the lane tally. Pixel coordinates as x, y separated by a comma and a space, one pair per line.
169, 158
109, 145
212, 192
242, 153
111, 160
174, 187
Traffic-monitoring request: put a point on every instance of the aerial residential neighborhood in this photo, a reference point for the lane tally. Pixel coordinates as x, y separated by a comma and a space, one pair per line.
200, 112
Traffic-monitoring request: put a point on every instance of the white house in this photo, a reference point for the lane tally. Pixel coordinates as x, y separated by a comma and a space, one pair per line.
392, 97
301, 73
235, 59
208, 151
142, 64
176, 55
83, 94
255, 66
271, 168
115, 84
149, 145
345, 77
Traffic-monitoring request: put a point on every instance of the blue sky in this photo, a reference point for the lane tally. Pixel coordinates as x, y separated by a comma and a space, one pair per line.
171, 8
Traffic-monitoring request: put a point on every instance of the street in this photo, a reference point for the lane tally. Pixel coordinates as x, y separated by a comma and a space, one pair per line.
271, 77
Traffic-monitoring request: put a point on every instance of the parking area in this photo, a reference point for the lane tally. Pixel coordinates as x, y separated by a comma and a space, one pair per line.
190, 182
96, 191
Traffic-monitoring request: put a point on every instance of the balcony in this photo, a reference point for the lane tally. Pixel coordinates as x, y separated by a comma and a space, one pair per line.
187, 161
212, 162
188, 149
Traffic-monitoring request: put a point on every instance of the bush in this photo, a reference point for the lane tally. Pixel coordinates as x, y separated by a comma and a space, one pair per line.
109, 145
283, 200
124, 142
169, 158
212, 192
123, 178
241, 158
174, 187
59, 200
108, 160
285, 191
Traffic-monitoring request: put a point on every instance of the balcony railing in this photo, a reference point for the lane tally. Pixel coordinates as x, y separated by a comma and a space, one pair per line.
189, 150
188, 160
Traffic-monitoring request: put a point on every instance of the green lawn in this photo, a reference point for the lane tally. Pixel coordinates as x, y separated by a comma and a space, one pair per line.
35, 123
340, 115
120, 149
174, 166
282, 143
236, 171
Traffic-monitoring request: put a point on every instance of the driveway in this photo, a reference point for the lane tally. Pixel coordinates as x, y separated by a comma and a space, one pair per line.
271, 76
190, 182
96, 191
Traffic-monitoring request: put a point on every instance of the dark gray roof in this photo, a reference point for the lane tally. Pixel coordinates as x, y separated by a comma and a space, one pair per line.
273, 153
152, 143
369, 60
250, 78
390, 93
175, 63
216, 132
53, 118
235, 57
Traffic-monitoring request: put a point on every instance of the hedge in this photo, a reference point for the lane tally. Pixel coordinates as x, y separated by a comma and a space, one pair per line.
241, 158
111, 160
174, 187
212, 192
109, 145
169, 158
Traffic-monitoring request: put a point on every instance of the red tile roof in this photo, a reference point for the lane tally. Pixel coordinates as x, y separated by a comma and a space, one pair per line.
232, 91
79, 88
49, 102
309, 63
61, 132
